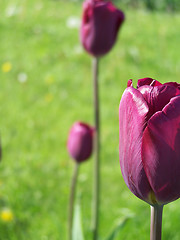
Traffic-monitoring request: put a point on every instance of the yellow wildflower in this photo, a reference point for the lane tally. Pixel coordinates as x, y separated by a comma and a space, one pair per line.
6, 215
63, 164
49, 97
49, 80
6, 67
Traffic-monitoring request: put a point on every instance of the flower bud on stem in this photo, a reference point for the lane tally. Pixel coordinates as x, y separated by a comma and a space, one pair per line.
95, 218
156, 222
72, 198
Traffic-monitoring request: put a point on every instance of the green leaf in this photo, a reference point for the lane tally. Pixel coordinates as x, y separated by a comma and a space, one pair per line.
77, 232
116, 230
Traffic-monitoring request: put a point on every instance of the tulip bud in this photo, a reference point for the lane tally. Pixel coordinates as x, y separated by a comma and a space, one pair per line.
101, 21
80, 141
149, 140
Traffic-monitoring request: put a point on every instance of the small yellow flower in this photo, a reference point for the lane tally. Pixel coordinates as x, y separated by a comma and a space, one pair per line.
49, 97
63, 164
6, 215
49, 80
6, 67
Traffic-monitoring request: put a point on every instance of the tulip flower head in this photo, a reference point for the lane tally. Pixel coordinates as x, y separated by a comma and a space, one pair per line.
101, 21
80, 141
149, 140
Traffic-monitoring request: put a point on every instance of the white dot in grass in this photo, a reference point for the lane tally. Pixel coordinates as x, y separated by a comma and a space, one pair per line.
83, 177
13, 10
78, 49
39, 6
134, 52
73, 22
22, 77
64, 94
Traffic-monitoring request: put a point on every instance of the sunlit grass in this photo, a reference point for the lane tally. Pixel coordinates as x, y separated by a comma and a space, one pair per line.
45, 85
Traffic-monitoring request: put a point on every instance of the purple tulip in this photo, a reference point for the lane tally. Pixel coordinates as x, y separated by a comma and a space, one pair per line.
149, 141
101, 21
80, 141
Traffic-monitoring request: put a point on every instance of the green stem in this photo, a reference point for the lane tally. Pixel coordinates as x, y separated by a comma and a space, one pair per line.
96, 177
72, 198
156, 222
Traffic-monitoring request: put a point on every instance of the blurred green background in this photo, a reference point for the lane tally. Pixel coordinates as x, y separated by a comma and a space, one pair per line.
45, 85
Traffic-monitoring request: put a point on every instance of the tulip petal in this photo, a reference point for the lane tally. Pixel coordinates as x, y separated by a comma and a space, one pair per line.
132, 120
129, 83
148, 81
161, 152
158, 97
175, 85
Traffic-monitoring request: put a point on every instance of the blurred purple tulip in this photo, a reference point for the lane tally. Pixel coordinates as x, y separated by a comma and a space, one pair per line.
101, 21
149, 141
80, 141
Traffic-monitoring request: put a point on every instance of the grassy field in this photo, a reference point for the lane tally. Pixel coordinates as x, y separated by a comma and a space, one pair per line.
45, 85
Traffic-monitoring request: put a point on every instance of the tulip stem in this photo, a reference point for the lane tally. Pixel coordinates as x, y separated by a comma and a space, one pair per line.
96, 147
72, 198
156, 222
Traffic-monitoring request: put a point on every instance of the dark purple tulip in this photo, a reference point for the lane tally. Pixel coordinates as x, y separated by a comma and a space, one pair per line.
101, 21
80, 141
149, 141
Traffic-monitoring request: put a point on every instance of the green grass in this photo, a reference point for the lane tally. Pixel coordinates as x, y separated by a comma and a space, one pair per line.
36, 116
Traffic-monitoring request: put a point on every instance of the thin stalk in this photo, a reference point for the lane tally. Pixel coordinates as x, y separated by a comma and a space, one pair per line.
96, 178
156, 222
71, 199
